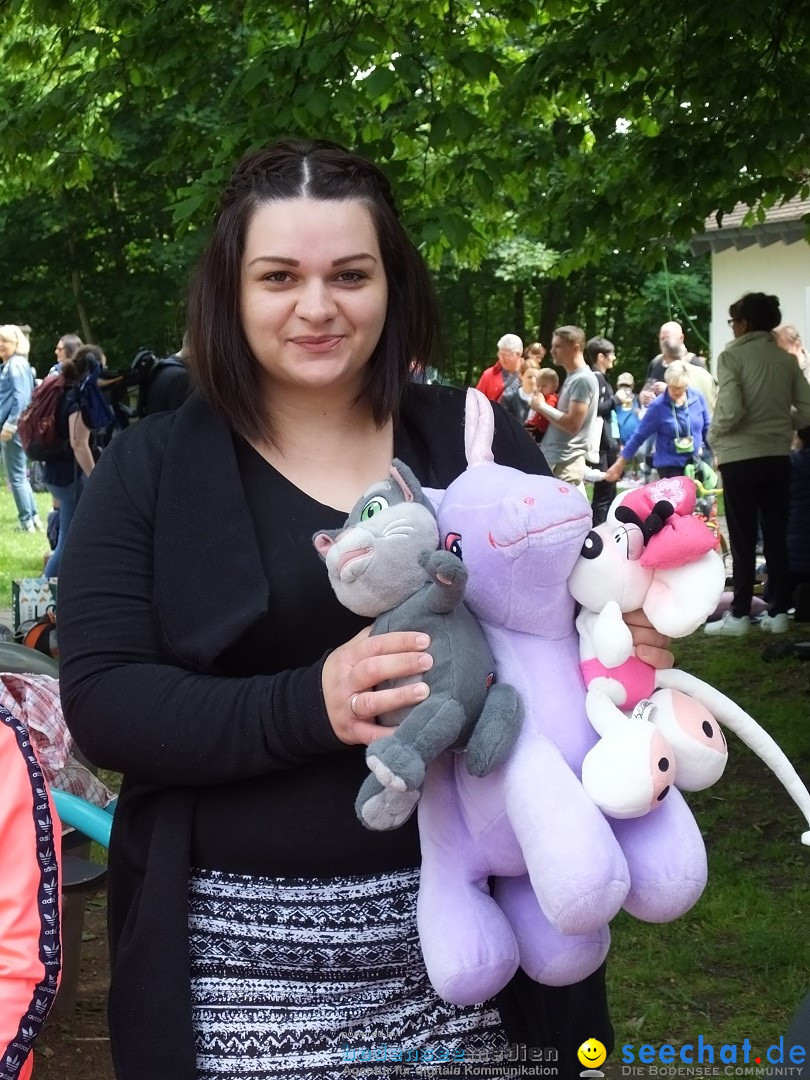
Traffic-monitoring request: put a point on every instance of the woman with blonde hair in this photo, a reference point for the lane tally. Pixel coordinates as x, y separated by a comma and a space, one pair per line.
679, 419
16, 387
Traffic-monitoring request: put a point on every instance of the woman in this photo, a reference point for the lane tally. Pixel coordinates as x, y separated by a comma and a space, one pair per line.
752, 429
66, 474
16, 387
211, 662
679, 421
65, 349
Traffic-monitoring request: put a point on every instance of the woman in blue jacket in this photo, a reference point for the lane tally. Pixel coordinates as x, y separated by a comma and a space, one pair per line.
679, 419
16, 387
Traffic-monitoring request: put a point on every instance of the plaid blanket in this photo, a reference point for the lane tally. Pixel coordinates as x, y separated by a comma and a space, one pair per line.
34, 699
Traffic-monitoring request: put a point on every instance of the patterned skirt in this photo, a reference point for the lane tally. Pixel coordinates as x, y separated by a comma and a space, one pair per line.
319, 979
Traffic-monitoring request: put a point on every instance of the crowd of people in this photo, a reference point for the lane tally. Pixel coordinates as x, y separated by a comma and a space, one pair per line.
68, 463
251, 914
749, 423
588, 430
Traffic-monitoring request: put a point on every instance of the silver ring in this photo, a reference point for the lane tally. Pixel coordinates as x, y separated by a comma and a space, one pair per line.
353, 705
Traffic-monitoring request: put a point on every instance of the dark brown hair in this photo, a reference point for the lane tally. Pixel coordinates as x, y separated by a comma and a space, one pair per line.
223, 368
596, 345
83, 359
758, 309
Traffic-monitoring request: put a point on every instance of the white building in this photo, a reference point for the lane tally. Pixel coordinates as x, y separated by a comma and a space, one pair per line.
771, 257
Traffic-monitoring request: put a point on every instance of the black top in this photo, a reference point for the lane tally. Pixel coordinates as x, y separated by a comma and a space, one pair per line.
604, 408
315, 831
61, 471
169, 675
656, 369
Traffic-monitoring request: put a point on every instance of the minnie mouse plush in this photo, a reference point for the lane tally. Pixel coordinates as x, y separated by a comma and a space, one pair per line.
658, 728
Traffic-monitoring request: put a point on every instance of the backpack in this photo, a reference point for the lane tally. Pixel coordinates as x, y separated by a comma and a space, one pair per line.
146, 365
97, 412
37, 424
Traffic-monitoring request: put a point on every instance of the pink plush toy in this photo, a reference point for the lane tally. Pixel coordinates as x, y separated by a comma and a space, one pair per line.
658, 728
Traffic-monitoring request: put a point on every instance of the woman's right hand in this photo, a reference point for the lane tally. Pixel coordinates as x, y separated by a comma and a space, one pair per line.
351, 672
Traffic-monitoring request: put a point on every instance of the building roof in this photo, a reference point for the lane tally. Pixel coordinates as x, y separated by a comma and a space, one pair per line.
784, 222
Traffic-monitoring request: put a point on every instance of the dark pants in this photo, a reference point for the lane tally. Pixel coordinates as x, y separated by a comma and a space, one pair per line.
667, 471
754, 490
603, 493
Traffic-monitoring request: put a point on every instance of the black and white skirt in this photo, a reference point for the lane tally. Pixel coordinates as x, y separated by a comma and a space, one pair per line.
319, 979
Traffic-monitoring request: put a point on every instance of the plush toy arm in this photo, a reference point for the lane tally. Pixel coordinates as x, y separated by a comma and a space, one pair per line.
611, 636
747, 729
496, 730
449, 575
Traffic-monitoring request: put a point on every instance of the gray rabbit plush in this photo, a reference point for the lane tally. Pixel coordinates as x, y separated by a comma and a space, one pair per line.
384, 563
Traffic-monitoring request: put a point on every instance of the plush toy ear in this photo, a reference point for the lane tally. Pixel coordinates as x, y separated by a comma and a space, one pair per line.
679, 600
324, 540
479, 428
405, 480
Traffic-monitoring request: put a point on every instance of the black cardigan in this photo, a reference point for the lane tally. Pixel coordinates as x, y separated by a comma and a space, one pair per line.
175, 478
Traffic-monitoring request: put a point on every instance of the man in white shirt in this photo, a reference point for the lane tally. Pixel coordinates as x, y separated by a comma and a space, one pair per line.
566, 441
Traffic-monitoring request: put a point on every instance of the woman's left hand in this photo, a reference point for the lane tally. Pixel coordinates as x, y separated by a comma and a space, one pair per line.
650, 646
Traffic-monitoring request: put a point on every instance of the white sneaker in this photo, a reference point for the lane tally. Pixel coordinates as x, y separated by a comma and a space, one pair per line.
775, 624
729, 626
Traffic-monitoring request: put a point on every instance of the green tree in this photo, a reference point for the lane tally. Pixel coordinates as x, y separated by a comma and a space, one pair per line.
595, 130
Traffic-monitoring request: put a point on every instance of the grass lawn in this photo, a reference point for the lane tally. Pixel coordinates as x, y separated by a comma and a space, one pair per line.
21, 554
738, 964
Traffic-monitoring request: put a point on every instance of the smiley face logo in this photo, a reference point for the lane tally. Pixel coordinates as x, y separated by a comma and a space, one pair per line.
592, 1054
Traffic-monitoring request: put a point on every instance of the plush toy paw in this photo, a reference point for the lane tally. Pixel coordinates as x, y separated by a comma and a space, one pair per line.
444, 567
395, 765
381, 808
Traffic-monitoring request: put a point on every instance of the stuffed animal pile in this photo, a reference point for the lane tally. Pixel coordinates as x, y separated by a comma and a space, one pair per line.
528, 864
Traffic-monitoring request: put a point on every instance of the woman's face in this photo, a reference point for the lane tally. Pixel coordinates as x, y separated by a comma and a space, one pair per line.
314, 293
678, 393
6, 348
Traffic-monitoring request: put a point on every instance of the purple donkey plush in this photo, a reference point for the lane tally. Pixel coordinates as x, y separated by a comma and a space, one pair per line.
560, 870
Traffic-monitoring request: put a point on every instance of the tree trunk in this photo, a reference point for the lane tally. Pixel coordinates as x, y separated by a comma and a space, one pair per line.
76, 283
519, 316
468, 374
552, 298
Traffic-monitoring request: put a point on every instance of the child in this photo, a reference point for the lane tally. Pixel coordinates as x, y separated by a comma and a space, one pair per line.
548, 382
517, 397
